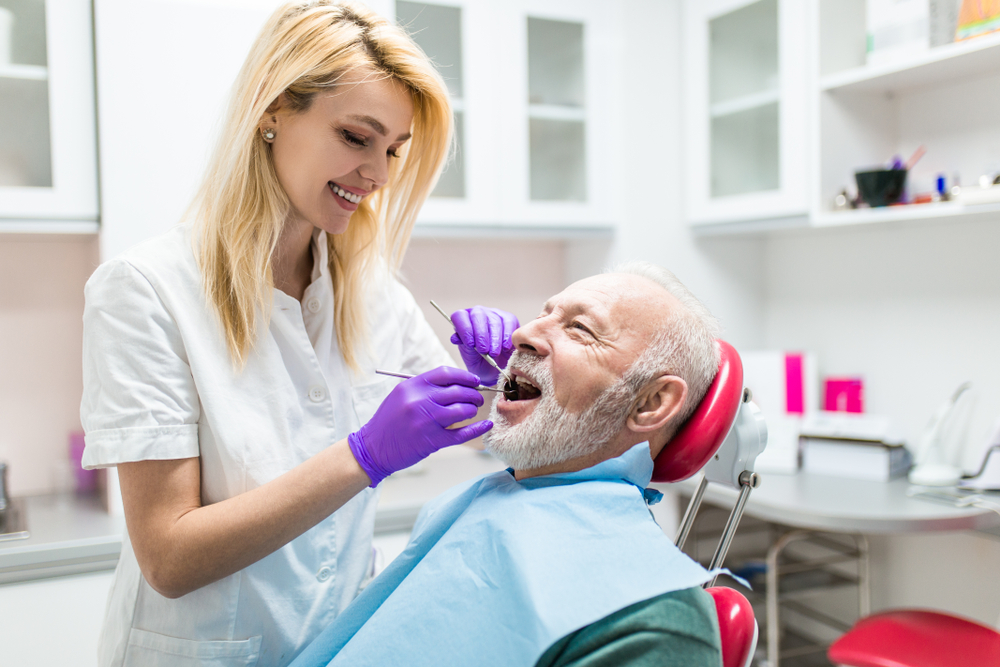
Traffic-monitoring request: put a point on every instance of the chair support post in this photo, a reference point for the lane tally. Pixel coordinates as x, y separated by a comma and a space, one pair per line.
748, 482
689, 514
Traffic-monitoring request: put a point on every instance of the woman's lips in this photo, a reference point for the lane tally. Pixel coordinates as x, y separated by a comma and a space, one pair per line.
344, 196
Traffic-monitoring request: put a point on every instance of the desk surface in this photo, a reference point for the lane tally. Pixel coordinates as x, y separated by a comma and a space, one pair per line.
846, 505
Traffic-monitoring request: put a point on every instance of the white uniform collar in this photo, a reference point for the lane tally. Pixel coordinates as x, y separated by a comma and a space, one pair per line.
321, 258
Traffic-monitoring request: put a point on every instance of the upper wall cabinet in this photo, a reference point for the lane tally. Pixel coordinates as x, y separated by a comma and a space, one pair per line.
938, 96
526, 82
48, 164
745, 112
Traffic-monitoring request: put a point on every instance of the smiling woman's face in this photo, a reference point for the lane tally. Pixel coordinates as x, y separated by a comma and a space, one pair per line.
331, 156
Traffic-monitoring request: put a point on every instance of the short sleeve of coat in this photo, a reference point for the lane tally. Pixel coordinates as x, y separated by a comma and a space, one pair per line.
139, 398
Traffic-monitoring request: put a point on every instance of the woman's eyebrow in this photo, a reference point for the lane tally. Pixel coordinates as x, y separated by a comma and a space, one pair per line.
377, 125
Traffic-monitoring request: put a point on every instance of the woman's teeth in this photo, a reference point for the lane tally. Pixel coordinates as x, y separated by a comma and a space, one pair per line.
341, 192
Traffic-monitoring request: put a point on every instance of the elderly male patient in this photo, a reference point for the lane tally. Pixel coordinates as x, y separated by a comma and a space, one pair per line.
557, 561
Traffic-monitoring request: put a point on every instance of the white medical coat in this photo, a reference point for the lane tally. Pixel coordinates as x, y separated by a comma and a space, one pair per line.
159, 384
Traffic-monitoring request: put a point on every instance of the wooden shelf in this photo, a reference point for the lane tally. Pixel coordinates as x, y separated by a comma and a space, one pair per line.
25, 72
745, 103
942, 64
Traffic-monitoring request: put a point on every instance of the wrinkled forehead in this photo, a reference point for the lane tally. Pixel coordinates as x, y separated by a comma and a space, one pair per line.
619, 299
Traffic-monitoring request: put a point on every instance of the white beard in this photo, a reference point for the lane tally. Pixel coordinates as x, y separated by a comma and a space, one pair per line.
550, 434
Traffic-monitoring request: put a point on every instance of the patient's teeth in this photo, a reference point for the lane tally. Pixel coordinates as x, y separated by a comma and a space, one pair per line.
526, 382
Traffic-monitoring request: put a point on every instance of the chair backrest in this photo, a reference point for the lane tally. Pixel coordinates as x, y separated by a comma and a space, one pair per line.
737, 626
702, 434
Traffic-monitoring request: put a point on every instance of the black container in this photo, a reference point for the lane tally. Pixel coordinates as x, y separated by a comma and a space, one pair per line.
881, 187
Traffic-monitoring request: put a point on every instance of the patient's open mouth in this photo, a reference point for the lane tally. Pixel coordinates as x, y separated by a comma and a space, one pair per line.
520, 389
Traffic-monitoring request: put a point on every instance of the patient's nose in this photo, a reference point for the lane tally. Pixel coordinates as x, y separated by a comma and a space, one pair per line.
529, 338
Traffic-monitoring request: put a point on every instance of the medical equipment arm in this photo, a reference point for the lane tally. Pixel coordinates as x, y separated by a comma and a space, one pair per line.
413, 421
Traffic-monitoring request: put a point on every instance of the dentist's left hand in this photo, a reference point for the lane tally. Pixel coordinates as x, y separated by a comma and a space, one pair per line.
413, 422
487, 331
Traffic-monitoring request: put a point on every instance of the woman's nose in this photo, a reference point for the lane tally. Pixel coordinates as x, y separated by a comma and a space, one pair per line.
375, 170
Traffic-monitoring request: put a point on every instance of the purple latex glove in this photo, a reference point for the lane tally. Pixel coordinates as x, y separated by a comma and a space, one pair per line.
413, 422
485, 330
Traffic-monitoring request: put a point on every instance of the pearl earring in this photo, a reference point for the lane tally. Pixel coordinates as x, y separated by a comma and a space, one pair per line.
268, 134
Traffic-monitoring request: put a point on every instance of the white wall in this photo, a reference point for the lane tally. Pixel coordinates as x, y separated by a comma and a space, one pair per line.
155, 139
915, 309
41, 376
724, 273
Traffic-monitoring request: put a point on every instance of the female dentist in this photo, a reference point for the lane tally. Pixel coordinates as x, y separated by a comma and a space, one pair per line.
229, 365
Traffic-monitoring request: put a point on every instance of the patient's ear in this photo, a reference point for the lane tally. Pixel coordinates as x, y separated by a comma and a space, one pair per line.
658, 402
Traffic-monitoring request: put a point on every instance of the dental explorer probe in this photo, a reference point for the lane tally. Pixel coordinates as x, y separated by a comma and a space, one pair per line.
487, 357
481, 387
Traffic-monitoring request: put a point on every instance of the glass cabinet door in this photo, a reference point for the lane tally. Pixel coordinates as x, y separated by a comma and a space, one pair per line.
744, 99
556, 111
437, 29
746, 125
48, 149
524, 79
25, 149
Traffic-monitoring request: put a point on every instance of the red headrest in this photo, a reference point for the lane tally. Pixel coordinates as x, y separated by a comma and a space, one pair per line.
702, 435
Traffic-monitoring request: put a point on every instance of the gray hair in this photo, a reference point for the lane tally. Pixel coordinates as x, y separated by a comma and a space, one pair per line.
684, 346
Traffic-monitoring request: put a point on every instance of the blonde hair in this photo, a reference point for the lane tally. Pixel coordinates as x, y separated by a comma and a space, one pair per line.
304, 49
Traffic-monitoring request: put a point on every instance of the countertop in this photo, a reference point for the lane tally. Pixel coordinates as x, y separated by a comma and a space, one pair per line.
839, 504
67, 535
74, 535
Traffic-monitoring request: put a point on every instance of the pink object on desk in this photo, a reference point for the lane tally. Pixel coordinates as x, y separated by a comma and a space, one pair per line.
845, 394
795, 397
86, 480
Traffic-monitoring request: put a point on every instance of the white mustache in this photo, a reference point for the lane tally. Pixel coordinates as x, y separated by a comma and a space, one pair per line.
533, 368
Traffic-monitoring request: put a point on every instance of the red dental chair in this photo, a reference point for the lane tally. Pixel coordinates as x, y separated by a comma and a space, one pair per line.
723, 437
916, 638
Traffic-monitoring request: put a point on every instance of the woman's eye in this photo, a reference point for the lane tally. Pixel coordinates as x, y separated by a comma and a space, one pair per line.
393, 152
355, 139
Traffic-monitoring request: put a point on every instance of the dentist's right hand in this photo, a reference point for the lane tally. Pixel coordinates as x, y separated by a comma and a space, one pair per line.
412, 422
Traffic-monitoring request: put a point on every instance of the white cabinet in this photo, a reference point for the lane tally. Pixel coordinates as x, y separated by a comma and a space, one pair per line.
784, 104
53, 621
532, 116
48, 164
746, 115
945, 99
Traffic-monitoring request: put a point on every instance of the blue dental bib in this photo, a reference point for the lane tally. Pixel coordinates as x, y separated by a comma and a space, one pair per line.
497, 570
